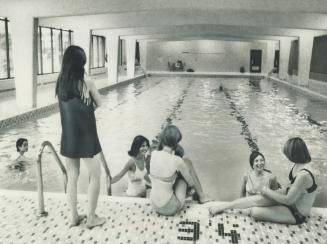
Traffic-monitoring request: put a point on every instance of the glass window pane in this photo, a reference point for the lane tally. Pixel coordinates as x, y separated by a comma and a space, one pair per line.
46, 50
3, 53
65, 40
71, 38
123, 52
56, 50
95, 52
39, 52
101, 51
10, 52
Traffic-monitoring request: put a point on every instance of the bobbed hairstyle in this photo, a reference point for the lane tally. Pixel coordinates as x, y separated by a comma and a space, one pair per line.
71, 77
170, 136
254, 155
296, 151
19, 143
136, 145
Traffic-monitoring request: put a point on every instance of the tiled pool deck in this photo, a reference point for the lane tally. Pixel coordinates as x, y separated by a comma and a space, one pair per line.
132, 220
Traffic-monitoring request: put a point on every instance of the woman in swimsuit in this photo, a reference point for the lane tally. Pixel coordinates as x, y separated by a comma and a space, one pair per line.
136, 168
171, 175
258, 177
287, 206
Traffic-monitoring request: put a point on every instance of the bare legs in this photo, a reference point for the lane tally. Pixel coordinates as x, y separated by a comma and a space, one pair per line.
93, 166
193, 181
73, 166
180, 190
241, 203
263, 209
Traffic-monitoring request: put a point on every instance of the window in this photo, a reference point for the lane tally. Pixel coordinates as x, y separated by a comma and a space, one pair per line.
52, 44
6, 67
98, 51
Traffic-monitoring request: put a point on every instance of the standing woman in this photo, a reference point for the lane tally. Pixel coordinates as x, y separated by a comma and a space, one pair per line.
77, 101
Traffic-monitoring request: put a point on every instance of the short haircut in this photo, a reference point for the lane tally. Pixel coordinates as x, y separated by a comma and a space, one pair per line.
19, 143
296, 151
170, 136
253, 156
136, 145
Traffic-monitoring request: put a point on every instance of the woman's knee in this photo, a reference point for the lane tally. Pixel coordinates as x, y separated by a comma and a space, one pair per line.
255, 212
94, 170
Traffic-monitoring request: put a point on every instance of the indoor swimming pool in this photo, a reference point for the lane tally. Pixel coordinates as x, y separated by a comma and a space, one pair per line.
220, 127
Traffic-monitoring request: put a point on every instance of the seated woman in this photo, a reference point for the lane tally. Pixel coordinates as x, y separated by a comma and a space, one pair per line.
287, 206
135, 168
171, 175
258, 177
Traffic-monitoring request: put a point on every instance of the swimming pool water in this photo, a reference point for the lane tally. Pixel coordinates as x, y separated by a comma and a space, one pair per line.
219, 127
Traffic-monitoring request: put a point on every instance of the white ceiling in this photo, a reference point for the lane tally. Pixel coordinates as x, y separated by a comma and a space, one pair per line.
180, 19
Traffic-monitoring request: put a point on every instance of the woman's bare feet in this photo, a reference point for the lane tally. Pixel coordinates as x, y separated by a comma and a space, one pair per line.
78, 220
96, 221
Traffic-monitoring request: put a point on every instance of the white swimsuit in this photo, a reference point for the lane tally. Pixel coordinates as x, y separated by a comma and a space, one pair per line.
136, 182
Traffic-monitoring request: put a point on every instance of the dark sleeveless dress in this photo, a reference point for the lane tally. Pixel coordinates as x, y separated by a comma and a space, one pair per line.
79, 138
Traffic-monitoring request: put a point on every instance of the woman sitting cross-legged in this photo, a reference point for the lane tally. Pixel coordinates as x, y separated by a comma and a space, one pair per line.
171, 175
287, 206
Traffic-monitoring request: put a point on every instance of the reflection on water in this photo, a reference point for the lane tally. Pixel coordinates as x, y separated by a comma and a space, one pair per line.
220, 127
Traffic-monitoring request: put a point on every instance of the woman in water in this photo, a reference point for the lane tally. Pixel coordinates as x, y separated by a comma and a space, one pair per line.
290, 205
171, 175
136, 168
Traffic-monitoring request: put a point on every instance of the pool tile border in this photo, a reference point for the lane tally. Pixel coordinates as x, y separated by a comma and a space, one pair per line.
132, 220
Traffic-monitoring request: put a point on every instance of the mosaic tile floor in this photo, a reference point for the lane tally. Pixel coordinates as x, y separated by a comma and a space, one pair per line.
131, 220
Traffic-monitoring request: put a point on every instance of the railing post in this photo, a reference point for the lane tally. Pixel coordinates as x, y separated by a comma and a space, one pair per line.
41, 211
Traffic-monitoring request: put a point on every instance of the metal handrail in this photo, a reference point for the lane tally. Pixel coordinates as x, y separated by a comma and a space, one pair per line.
48, 144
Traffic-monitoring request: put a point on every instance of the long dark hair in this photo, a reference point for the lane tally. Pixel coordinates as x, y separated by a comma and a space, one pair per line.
71, 78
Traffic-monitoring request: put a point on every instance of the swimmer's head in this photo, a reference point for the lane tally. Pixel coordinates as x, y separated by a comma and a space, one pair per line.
22, 145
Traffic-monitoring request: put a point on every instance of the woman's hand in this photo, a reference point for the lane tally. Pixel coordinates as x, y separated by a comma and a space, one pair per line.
264, 191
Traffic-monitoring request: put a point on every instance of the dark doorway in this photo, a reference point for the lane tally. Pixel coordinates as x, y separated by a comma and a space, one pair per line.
276, 61
137, 54
255, 61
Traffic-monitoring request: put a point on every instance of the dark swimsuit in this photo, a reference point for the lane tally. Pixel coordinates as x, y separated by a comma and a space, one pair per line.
299, 218
79, 137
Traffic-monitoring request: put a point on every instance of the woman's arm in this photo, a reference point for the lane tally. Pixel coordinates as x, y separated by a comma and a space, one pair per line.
94, 92
128, 166
182, 168
296, 189
243, 188
273, 183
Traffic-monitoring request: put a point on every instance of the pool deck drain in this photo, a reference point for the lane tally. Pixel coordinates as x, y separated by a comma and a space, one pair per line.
132, 220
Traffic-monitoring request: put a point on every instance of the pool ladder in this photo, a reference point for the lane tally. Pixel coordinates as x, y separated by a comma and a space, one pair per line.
41, 211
